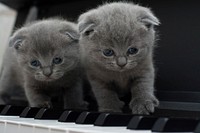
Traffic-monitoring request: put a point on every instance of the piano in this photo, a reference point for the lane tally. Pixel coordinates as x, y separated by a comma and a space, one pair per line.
177, 61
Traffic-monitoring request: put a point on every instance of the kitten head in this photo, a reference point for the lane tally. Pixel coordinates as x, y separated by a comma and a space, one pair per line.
117, 36
46, 49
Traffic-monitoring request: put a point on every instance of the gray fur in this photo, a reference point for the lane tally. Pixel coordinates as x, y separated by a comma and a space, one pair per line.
119, 26
43, 41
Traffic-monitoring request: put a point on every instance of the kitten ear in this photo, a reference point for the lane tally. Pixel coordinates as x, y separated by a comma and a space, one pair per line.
16, 42
86, 28
17, 39
72, 34
149, 20
86, 23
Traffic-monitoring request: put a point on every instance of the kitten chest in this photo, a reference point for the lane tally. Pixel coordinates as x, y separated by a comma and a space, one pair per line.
122, 83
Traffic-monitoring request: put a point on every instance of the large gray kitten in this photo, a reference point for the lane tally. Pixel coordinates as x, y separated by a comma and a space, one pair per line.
44, 59
117, 42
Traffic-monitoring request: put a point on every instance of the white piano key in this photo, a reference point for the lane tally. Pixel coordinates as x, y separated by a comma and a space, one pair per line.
97, 129
2, 126
41, 129
64, 128
54, 130
30, 125
26, 128
12, 127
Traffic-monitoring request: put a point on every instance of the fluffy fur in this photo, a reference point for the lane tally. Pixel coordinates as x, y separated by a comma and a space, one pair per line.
117, 27
44, 59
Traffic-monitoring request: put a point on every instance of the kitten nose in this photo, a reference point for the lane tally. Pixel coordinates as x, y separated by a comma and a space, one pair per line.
121, 61
47, 71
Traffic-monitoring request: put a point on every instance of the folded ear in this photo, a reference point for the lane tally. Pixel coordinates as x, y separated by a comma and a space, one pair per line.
18, 38
86, 24
149, 20
74, 35
86, 28
16, 41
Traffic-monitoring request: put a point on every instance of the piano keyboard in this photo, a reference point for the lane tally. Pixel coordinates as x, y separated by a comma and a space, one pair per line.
92, 122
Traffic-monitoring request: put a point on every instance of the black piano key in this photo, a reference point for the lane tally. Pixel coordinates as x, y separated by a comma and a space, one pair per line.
197, 129
114, 119
69, 116
159, 124
142, 122
12, 110
175, 125
176, 113
29, 112
2, 107
87, 117
48, 114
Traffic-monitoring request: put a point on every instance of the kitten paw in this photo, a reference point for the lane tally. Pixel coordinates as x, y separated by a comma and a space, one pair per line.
143, 105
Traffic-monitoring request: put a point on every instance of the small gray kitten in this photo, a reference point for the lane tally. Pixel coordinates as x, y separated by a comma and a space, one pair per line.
44, 59
117, 42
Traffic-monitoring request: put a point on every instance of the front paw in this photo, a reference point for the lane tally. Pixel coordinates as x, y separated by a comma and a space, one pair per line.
143, 105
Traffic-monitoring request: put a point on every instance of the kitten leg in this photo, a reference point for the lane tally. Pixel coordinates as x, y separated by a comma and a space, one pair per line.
73, 97
6, 86
143, 100
37, 98
108, 100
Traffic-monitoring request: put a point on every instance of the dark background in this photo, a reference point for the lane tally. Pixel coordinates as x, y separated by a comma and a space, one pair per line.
177, 56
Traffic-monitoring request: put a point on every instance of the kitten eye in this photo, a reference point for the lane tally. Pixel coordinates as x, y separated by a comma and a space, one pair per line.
132, 51
57, 60
108, 52
35, 63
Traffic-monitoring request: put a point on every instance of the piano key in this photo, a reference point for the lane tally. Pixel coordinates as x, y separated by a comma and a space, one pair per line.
176, 113
175, 125
87, 117
69, 116
197, 129
46, 113
114, 119
97, 129
12, 127
53, 126
26, 128
2, 126
142, 122
35, 125
29, 112
159, 124
12, 110
1, 107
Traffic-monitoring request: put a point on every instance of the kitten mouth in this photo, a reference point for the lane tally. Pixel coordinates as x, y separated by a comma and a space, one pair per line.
47, 79
122, 69
51, 79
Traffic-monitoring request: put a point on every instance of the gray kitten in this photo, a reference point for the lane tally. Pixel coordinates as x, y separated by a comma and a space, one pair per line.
117, 42
45, 60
